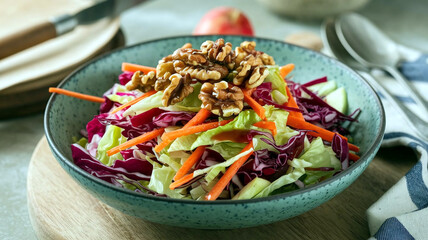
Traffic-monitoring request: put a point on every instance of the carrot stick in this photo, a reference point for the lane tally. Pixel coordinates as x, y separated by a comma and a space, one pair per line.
134, 101
286, 69
76, 95
141, 139
254, 104
354, 148
267, 125
181, 181
194, 129
199, 118
162, 145
230, 172
292, 103
130, 67
353, 157
320, 132
188, 164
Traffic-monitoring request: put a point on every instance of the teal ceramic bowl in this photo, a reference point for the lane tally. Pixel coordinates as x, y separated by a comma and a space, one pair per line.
65, 117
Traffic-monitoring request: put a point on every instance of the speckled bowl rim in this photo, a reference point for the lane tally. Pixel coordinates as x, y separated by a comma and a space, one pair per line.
362, 160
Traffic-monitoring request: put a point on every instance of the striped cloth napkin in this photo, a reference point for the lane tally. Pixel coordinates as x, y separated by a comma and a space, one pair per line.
402, 212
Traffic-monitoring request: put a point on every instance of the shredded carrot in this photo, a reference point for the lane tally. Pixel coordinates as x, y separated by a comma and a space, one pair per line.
76, 95
130, 67
199, 118
228, 175
141, 139
353, 157
194, 129
134, 101
319, 132
286, 69
181, 181
292, 103
354, 148
163, 145
250, 91
267, 125
188, 164
223, 180
254, 104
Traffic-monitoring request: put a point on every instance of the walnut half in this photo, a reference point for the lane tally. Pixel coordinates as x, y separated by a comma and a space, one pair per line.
221, 98
251, 72
142, 82
249, 48
207, 71
178, 89
218, 50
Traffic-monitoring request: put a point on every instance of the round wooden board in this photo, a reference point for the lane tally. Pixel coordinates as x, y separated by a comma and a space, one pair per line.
61, 209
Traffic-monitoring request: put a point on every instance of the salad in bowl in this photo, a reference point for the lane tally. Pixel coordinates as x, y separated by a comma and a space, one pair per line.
216, 122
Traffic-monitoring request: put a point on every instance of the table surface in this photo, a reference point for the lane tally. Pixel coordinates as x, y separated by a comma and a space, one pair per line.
156, 19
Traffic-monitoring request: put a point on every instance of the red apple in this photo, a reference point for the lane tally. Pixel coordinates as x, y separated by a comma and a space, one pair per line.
226, 21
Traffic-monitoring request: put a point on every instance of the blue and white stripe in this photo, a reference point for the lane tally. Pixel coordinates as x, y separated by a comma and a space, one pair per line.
402, 212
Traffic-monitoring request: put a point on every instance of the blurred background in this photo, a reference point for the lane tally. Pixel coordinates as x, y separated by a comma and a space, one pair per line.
26, 76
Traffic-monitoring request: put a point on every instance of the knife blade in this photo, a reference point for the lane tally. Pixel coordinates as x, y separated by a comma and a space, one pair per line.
62, 24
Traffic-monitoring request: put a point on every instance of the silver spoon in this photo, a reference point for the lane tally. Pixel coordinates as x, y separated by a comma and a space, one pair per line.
331, 41
372, 48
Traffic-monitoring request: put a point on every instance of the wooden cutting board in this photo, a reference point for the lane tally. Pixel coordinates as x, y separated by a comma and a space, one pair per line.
61, 209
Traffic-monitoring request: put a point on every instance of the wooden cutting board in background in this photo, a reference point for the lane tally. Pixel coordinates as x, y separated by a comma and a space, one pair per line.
61, 209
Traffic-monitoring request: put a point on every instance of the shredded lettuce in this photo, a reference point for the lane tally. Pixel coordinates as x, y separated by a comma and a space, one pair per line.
161, 179
133, 187
118, 93
228, 149
183, 143
283, 131
111, 138
243, 121
174, 163
258, 144
298, 169
82, 141
154, 164
252, 189
320, 156
316, 156
197, 192
120, 98
277, 82
191, 103
154, 101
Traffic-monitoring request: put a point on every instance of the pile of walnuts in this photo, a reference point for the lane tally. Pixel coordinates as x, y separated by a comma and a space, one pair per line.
212, 64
